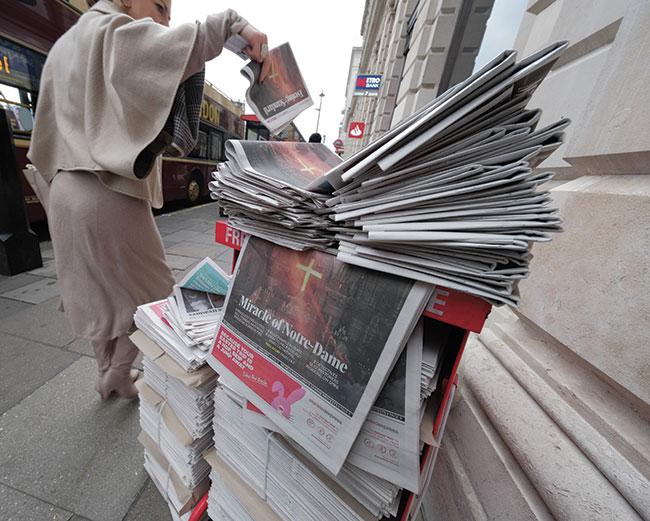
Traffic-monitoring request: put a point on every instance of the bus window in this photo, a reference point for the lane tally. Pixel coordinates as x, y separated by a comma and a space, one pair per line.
19, 113
216, 141
201, 149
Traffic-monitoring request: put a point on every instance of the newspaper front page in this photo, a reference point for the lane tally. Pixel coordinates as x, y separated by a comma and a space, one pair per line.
282, 95
310, 341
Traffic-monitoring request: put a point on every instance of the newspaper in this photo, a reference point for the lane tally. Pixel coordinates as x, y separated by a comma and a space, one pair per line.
150, 319
236, 44
288, 480
310, 341
206, 276
283, 93
388, 445
262, 189
198, 306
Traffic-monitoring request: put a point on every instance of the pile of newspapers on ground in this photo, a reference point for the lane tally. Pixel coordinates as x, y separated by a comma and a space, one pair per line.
448, 196
176, 393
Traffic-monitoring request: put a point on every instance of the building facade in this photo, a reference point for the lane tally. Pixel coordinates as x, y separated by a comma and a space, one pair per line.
419, 48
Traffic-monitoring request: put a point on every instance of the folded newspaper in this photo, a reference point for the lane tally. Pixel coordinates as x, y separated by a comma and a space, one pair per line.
310, 341
449, 196
282, 95
262, 188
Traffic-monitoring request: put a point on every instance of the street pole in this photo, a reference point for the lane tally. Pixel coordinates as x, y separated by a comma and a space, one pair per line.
320, 105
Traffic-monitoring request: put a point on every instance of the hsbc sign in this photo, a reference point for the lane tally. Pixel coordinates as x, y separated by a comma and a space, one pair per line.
365, 82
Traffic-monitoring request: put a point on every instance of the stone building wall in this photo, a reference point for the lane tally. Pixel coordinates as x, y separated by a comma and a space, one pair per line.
552, 419
408, 43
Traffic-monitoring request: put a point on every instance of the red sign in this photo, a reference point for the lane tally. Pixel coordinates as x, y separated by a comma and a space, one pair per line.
458, 309
356, 129
228, 236
338, 144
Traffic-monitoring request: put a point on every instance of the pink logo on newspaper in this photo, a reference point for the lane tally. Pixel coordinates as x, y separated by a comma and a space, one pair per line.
282, 403
255, 371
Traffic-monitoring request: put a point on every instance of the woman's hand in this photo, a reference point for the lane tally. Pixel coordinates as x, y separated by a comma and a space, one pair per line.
257, 48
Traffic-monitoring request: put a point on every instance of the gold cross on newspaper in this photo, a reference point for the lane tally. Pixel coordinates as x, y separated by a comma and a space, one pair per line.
306, 169
274, 74
309, 270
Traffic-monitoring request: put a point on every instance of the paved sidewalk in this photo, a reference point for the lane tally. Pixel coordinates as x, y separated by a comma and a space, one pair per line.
64, 454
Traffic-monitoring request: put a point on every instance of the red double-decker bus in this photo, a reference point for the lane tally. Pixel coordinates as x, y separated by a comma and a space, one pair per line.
28, 29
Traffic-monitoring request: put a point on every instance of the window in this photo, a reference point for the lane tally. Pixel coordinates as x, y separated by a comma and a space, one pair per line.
216, 142
17, 104
409, 27
201, 149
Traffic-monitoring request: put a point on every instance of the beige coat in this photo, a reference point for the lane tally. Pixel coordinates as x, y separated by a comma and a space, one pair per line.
107, 89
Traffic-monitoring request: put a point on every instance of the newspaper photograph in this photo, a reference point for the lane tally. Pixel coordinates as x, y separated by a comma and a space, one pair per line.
285, 163
283, 93
310, 341
198, 306
388, 445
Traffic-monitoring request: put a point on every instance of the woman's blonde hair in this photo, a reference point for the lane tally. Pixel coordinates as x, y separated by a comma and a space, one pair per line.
121, 3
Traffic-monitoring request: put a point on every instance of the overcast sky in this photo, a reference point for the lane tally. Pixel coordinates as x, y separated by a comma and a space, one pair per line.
501, 30
321, 35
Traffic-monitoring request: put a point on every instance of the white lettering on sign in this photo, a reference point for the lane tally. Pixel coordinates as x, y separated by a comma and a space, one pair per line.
233, 236
435, 299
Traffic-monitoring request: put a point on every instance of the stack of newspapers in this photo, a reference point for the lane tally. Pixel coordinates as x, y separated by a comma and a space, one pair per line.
176, 414
325, 370
262, 190
449, 196
184, 324
292, 484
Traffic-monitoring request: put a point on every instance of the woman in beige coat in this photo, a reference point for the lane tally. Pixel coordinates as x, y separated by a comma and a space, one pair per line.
118, 89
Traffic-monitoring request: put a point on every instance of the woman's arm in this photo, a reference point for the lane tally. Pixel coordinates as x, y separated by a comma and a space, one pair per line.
213, 33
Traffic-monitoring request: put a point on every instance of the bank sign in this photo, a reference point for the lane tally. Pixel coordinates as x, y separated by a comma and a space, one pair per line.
365, 82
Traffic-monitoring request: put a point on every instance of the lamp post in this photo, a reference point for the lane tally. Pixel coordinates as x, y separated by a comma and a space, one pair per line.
320, 105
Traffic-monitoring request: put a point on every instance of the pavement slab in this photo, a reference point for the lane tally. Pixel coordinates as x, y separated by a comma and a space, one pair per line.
81, 346
25, 366
17, 281
178, 262
202, 238
47, 250
42, 323
179, 236
150, 505
196, 250
36, 292
9, 307
67, 447
16, 506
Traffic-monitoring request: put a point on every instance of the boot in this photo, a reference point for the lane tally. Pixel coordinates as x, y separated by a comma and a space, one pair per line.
117, 381
117, 375
99, 386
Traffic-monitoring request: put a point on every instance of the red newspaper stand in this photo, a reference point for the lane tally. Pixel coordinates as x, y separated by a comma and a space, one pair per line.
463, 314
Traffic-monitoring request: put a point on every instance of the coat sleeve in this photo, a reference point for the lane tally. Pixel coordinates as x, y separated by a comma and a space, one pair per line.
210, 38
141, 65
